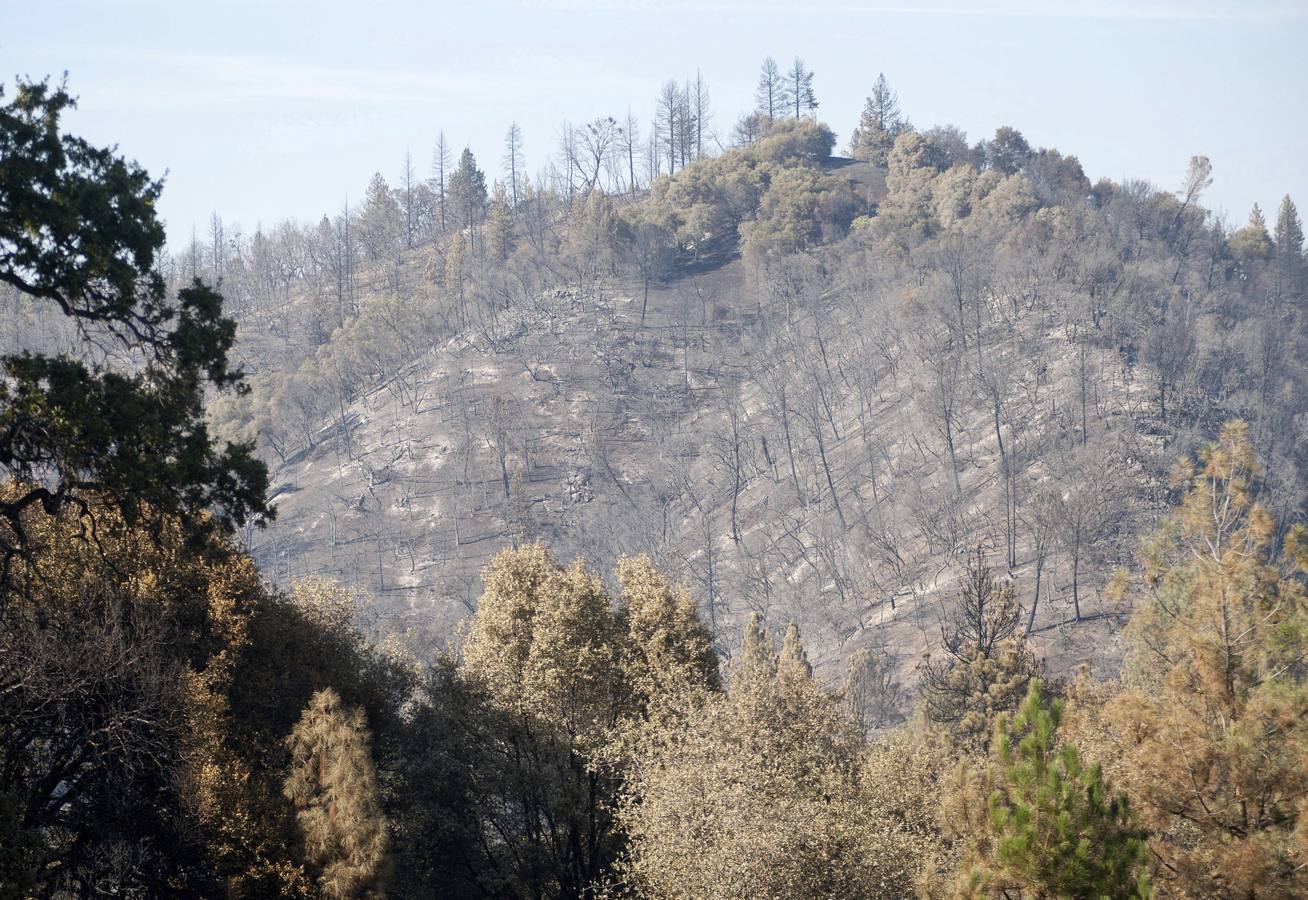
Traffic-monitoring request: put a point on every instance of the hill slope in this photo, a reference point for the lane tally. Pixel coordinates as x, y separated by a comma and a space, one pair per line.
818, 432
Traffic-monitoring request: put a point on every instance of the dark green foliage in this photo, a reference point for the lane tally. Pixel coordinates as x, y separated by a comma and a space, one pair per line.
78, 230
468, 190
1058, 830
21, 850
1008, 151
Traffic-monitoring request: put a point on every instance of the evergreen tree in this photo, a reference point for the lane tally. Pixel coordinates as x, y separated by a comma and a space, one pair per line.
1054, 828
799, 89
986, 664
334, 790
878, 126
1289, 250
1211, 729
454, 278
1252, 243
499, 225
467, 190
771, 98
1289, 230
79, 232
381, 222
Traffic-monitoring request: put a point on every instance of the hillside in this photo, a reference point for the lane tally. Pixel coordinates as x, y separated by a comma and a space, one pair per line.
921, 523
810, 435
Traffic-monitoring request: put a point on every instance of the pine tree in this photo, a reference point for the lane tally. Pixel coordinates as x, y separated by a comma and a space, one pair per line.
333, 787
455, 277
1054, 828
986, 664
1289, 230
878, 126
513, 161
499, 225
1289, 249
381, 223
439, 182
670, 123
771, 97
799, 88
1211, 730
1252, 242
468, 190
755, 663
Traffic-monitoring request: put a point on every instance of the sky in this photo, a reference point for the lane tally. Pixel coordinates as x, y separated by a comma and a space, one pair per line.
263, 111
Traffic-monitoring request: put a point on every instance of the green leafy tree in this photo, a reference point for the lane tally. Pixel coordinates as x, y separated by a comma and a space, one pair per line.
909, 176
1007, 152
669, 648
79, 231
798, 209
562, 675
1252, 243
333, 786
1054, 828
544, 653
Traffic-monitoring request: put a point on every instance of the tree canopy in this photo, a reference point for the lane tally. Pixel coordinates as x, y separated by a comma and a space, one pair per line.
123, 419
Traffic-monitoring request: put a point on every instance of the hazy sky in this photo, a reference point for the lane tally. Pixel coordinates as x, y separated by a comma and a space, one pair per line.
263, 110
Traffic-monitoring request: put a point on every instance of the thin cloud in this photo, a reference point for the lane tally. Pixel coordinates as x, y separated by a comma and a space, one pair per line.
1124, 10
166, 80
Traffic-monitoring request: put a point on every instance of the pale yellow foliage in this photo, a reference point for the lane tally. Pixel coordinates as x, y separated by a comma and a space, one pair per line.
333, 787
758, 793
669, 647
1212, 725
544, 644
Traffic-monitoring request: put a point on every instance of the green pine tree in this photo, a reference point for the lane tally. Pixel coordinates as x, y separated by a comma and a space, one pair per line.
1056, 829
1289, 230
1289, 251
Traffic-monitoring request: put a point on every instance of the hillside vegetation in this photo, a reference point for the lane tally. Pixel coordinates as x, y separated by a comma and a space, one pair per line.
760, 523
808, 386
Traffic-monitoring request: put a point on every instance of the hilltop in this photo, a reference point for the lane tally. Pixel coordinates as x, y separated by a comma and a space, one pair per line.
786, 376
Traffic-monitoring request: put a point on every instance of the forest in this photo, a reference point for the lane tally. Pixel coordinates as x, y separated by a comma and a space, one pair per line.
718, 513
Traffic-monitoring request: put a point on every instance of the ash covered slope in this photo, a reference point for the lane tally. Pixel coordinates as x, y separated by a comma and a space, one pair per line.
812, 402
